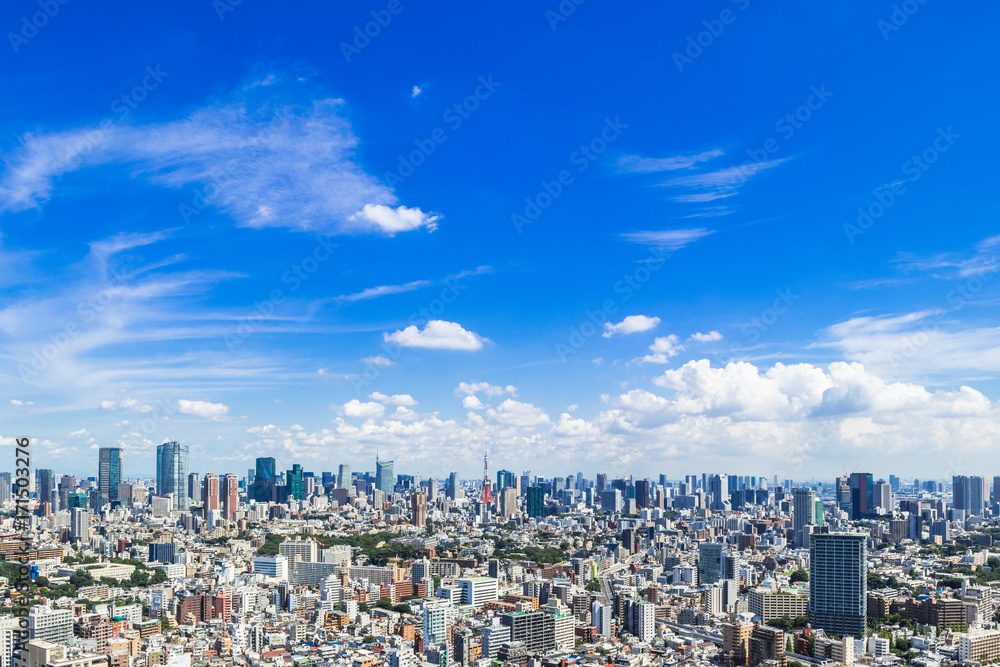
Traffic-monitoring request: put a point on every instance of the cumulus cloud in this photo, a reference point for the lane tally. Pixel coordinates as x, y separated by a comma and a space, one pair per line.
663, 348
472, 402
437, 335
395, 399
356, 408
516, 413
214, 411
130, 404
705, 337
468, 388
631, 324
391, 221
15, 401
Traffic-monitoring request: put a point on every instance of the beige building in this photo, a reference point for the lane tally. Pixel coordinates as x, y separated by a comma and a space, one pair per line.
769, 606
979, 645
39, 653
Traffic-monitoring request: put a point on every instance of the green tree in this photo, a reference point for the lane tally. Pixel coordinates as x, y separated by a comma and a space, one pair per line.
799, 575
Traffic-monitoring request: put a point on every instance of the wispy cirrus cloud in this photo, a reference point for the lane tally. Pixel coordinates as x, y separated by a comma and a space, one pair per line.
699, 178
274, 155
668, 239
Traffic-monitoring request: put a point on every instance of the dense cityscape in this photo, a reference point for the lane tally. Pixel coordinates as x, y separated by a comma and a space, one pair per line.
383, 568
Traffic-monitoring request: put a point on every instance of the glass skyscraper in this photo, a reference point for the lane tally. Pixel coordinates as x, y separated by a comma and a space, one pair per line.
45, 488
838, 583
344, 476
295, 483
109, 472
385, 479
172, 473
263, 480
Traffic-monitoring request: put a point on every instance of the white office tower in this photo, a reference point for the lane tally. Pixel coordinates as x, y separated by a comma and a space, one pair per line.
403, 657
10, 633
52, 625
306, 549
330, 592
493, 636
640, 619
601, 616
435, 623
273, 567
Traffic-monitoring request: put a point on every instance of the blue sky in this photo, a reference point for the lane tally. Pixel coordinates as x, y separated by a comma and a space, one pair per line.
642, 239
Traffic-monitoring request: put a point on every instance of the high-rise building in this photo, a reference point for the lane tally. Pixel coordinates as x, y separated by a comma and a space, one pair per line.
295, 483
536, 501
882, 496
344, 476
643, 494
263, 480
804, 509
385, 479
862, 494
969, 493
454, 489
109, 472
194, 487
6, 492
67, 485
172, 473
709, 562
418, 505
210, 494
230, 495
838, 583
611, 501
45, 488
79, 525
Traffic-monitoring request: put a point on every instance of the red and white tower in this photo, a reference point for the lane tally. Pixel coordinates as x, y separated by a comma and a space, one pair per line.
487, 494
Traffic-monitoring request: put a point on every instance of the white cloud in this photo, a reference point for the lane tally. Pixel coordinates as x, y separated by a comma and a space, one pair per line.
356, 408
395, 399
644, 165
516, 413
130, 404
472, 402
379, 361
14, 401
213, 411
668, 239
663, 348
706, 337
79, 433
437, 335
468, 388
416, 91
391, 221
631, 324
269, 156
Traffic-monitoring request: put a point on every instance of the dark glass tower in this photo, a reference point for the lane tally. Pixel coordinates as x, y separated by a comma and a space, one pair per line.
109, 472
263, 480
